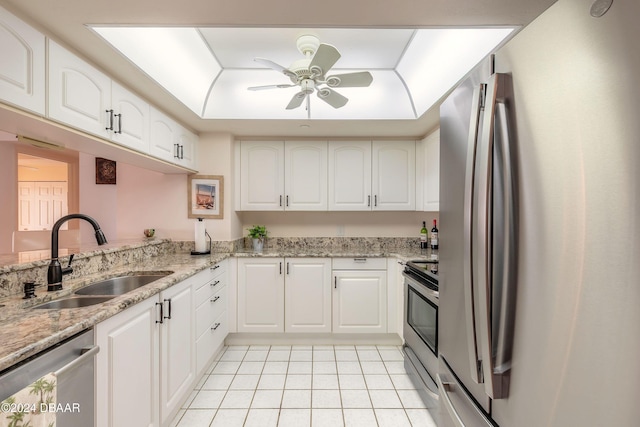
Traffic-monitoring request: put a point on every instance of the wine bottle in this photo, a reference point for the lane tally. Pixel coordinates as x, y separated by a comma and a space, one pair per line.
423, 235
434, 236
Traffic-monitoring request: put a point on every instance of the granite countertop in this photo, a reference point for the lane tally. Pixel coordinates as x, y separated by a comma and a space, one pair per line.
25, 332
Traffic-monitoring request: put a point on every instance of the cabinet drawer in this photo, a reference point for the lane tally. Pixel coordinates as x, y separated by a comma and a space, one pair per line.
209, 310
357, 263
205, 291
218, 269
213, 337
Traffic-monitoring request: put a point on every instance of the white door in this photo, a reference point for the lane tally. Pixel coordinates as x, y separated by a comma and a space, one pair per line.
127, 368
394, 175
262, 175
26, 206
359, 301
79, 94
305, 180
177, 355
261, 295
307, 295
349, 176
131, 119
22, 67
162, 136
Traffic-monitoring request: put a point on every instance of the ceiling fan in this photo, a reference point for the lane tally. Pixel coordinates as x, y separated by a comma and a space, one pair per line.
310, 72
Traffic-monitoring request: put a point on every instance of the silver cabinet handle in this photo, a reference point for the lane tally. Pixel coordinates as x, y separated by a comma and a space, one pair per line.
215, 327
215, 299
119, 116
169, 301
280, 267
287, 267
375, 201
85, 353
335, 282
359, 260
215, 267
369, 200
215, 283
109, 119
281, 200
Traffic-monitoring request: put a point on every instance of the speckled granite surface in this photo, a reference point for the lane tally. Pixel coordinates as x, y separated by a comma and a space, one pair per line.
24, 331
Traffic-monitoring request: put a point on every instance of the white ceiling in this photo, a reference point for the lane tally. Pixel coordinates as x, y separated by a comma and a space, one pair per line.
269, 29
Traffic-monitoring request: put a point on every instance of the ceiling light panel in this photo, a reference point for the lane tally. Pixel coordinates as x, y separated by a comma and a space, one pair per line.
437, 59
177, 58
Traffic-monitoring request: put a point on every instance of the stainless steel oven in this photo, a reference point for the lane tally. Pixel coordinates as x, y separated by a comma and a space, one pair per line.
421, 327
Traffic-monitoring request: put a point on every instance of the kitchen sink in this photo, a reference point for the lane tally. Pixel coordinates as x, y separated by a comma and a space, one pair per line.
122, 284
73, 302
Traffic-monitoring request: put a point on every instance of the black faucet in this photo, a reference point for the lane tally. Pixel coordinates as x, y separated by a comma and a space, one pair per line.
55, 272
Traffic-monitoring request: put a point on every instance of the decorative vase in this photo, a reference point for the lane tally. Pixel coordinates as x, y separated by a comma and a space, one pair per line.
258, 245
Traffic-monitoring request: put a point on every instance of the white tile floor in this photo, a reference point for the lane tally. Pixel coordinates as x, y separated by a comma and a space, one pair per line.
305, 386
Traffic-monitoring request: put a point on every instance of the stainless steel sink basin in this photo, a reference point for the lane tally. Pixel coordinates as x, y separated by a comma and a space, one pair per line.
73, 302
121, 285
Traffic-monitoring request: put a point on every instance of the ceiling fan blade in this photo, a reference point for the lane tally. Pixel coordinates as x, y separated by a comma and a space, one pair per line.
361, 79
269, 87
332, 97
276, 67
296, 101
326, 56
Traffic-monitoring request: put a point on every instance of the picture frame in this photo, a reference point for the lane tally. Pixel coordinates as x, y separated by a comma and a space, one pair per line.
105, 171
206, 196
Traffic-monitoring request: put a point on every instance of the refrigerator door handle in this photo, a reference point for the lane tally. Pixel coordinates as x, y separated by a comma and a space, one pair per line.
496, 256
470, 196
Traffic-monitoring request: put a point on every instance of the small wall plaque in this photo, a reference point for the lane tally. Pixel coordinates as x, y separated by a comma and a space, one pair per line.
105, 171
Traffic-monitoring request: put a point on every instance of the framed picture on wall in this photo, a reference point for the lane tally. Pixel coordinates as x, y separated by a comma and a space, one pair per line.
206, 195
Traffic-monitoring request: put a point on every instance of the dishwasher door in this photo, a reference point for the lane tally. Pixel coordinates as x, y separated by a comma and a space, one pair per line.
72, 361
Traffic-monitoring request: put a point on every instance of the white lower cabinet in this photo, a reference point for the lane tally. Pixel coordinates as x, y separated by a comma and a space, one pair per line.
307, 290
127, 367
261, 295
212, 325
147, 364
359, 295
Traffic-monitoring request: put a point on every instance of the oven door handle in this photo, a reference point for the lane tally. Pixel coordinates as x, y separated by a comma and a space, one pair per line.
430, 294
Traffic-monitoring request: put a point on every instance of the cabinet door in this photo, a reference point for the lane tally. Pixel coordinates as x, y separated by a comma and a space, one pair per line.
22, 68
431, 177
177, 355
394, 175
305, 180
127, 368
360, 301
79, 94
307, 295
131, 121
188, 143
261, 295
162, 136
262, 175
349, 176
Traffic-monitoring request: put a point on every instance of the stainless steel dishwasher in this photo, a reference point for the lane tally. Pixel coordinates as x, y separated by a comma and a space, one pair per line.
72, 362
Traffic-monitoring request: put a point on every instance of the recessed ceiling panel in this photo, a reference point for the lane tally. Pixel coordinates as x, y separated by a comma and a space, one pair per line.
360, 48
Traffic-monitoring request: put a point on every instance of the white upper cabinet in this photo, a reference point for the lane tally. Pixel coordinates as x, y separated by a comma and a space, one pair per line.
305, 181
349, 175
394, 175
79, 94
262, 175
378, 175
277, 175
130, 121
171, 142
432, 173
22, 64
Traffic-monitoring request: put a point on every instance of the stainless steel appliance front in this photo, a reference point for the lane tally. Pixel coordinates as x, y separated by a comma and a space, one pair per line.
420, 331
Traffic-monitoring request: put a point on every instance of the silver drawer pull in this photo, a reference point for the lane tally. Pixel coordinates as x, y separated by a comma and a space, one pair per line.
215, 299
215, 267
215, 327
215, 283
359, 260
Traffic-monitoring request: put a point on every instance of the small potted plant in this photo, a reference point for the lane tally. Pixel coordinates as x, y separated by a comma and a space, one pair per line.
258, 234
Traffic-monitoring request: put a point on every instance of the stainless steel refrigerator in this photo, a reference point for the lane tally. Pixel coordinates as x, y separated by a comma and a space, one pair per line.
539, 277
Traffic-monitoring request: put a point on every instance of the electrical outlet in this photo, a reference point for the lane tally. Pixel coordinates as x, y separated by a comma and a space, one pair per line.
340, 231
